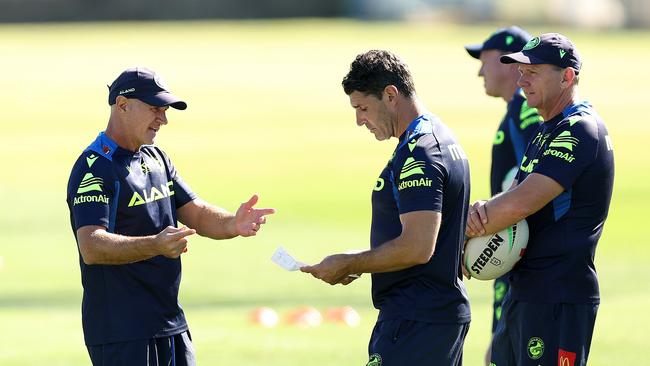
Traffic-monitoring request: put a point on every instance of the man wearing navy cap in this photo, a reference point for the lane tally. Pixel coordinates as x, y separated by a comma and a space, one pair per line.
563, 188
125, 199
516, 127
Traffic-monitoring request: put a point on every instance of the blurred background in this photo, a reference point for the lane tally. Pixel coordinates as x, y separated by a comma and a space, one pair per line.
267, 115
590, 13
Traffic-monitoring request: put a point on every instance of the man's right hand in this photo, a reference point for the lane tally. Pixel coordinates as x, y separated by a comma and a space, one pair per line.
172, 241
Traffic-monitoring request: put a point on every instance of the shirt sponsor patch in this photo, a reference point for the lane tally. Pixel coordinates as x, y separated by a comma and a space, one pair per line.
154, 194
90, 199
566, 358
411, 167
564, 140
422, 182
90, 183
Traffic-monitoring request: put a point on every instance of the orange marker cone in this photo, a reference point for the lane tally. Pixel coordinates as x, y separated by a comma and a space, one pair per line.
305, 317
345, 314
264, 316
350, 316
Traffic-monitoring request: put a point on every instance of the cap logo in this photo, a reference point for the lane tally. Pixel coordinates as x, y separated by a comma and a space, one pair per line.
509, 40
127, 91
160, 82
562, 53
531, 44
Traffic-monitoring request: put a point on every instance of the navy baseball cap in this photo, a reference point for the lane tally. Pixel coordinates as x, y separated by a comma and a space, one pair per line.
145, 85
548, 48
511, 39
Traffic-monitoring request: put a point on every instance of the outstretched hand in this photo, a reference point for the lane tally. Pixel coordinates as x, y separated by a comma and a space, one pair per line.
248, 220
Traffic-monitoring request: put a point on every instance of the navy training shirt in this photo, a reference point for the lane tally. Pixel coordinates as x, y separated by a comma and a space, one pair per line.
574, 149
132, 194
515, 131
428, 171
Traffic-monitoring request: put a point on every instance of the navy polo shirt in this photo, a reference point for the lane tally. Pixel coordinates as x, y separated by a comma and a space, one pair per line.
132, 194
427, 172
515, 131
574, 149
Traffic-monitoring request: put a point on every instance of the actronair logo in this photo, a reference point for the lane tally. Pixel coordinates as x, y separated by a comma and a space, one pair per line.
90, 183
90, 199
154, 194
564, 140
411, 167
569, 158
422, 182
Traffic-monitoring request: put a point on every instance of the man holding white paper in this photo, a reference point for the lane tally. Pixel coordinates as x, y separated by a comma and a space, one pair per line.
415, 255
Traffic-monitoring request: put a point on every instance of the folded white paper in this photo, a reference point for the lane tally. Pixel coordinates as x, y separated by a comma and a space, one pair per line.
285, 260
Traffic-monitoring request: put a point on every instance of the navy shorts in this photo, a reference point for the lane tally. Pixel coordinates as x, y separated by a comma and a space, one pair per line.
501, 286
413, 343
176, 350
543, 334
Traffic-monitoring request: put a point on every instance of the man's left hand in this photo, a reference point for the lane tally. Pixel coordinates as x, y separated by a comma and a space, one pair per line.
248, 220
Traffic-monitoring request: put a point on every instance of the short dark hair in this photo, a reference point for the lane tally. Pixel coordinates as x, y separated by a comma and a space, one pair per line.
372, 71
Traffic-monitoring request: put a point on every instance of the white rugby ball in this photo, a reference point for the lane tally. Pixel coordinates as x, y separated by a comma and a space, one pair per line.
509, 178
491, 256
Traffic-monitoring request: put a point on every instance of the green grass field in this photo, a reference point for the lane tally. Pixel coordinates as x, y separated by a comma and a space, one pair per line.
267, 114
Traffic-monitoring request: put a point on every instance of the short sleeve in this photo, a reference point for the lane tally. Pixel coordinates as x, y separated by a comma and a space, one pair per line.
91, 190
419, 176
572, 148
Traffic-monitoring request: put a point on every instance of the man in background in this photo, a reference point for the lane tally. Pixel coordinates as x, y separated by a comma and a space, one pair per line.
516, 127
563, 189
125, 199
